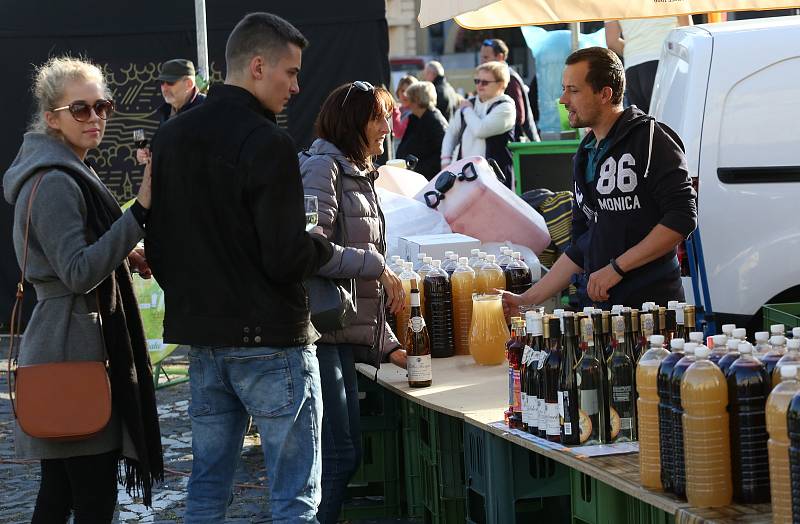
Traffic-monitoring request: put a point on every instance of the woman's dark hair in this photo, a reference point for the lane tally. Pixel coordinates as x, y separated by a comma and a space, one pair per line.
605, 70
344, 122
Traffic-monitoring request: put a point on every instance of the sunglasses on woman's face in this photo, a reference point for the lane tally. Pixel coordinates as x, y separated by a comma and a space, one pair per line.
481, 82
361, 86
82, 111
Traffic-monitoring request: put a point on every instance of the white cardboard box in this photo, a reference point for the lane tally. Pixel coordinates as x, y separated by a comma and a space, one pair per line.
434, 246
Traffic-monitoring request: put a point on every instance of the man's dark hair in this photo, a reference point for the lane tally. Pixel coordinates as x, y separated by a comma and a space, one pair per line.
605, 70
497, 45
261, 34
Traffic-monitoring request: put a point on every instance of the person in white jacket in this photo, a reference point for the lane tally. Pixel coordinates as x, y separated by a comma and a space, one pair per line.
483, 125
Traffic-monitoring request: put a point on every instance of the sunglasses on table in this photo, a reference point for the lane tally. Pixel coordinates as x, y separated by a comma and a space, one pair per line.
361, 85
481, 82
82, 111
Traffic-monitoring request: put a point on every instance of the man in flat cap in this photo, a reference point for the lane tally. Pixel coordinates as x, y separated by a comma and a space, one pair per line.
180, 94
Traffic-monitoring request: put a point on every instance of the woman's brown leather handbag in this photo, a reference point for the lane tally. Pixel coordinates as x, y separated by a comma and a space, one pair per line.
59, 400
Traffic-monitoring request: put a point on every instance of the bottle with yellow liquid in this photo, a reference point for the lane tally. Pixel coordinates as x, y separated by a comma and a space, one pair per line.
778, 444
463, 284
706, 433
488, 332
406, 277
647, 411
791, 358
489, 277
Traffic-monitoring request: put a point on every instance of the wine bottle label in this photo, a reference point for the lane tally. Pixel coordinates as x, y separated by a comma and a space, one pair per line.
588, 401
526, 407
621, 393
560, 396
531, 410
541, 410
553, 427
542, 358
526, 354
419, 368
516, 390
416, 323
626, 423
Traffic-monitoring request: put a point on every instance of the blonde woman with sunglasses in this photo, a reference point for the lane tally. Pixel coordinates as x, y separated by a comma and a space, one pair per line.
483, 125
80, 246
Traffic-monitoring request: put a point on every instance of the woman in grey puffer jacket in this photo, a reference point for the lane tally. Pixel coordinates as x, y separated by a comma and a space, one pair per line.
352, 126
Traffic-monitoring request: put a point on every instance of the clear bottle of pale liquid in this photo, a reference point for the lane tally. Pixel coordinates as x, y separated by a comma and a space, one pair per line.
647, 410
473, 258
489, 277
706, 433
790, 358
778, 444
488, 332
406, 277
463, 283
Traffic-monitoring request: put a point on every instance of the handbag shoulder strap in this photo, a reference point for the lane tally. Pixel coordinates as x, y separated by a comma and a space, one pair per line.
16, 311
339, 229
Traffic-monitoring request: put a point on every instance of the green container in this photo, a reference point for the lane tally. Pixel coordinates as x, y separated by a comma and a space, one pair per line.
412, 459
594, 502
375, 489
379, 408
786, 314
640, 512
550, 166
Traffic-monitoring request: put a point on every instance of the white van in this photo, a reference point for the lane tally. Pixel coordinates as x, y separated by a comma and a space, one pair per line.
732, 92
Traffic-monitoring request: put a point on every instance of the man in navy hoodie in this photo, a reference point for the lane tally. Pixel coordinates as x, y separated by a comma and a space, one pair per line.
634, 201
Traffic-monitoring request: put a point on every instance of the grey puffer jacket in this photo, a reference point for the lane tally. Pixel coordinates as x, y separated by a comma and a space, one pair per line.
363, 256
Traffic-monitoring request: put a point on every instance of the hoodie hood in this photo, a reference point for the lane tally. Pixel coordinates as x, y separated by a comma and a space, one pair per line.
39, 151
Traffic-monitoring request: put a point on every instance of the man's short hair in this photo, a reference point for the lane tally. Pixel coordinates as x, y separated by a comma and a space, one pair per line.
261, 34
497, 45
422, 93
499, 70
605, 70
436, 67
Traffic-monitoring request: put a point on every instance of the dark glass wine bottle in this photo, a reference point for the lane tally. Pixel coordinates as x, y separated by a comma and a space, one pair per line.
621, 374
568, 386
418, 345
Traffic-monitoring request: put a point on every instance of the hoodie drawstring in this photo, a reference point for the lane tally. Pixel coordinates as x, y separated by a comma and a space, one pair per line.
650, 146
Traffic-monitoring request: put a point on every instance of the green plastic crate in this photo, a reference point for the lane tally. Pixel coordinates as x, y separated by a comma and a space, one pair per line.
640, 512
375, 489
786, 314
594, 502
434, 464
379, 408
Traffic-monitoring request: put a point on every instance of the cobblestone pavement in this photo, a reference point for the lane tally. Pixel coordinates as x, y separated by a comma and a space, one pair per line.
19, 480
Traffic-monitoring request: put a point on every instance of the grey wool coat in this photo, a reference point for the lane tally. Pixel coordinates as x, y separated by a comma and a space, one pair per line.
64, 270
363, 256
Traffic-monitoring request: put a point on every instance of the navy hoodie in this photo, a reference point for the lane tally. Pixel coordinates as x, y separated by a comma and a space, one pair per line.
640, 181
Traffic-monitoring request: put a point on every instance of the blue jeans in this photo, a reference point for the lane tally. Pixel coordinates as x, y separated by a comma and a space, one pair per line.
280, 389
341, 427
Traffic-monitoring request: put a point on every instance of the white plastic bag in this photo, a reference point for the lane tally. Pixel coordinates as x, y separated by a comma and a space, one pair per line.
406, 216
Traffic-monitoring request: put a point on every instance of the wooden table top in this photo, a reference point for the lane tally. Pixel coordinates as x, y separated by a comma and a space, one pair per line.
476, 394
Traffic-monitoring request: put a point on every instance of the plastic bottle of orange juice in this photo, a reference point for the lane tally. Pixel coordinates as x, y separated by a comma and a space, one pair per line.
647, 409
778, 444
463, 283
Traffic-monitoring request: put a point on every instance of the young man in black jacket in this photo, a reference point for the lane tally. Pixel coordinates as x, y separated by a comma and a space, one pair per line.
634, 201
226, 240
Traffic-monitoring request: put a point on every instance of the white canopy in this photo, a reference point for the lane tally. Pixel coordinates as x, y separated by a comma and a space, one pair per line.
485, 14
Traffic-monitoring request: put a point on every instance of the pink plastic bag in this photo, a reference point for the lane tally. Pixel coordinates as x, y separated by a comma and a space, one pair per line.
475, 203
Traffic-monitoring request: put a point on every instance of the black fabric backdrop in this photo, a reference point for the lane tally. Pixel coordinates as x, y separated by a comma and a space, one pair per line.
349, 41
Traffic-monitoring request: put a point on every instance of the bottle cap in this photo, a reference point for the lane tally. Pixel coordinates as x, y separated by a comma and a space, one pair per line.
427, 260
701, 352
733, 344
777, 340
720, 340
448, 253
616, 309
696, 337
761, 336
463, 260
395, 258
474, 252
788, 371
482, 254
675, 343
745, 348
777, 329
728, 329
421, 256
588, 311
490, 258
558, 312
672, 304
436, 263
517, 255
690, 347
740, 333
408, 266
454, 256
793, 343
657, 340
796, 332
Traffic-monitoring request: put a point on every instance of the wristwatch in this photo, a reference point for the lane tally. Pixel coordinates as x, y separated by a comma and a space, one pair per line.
616, 267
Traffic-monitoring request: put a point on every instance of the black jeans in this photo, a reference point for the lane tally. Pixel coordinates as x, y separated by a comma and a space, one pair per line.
341, 427
86, 485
